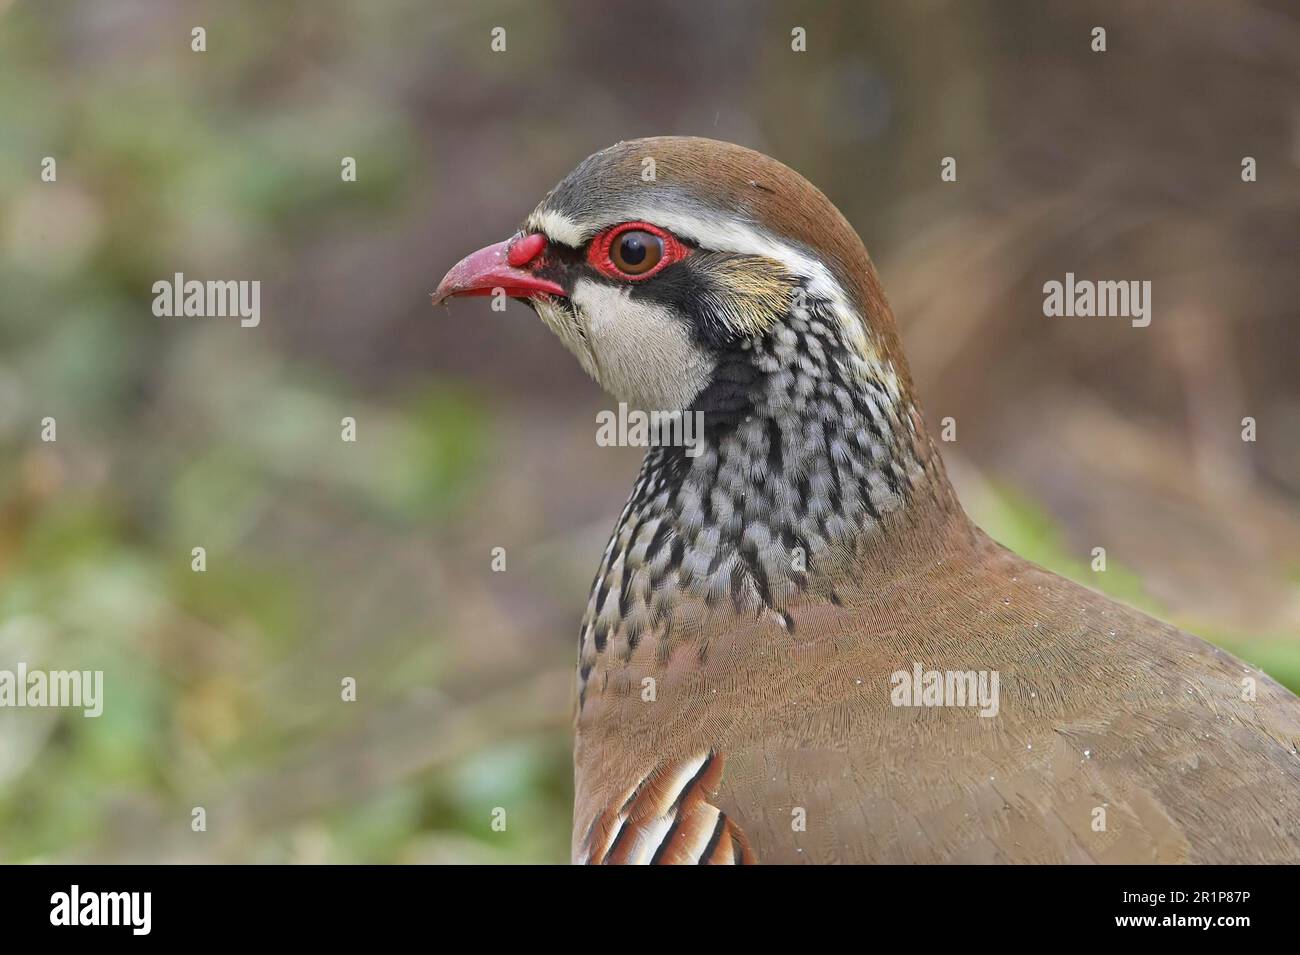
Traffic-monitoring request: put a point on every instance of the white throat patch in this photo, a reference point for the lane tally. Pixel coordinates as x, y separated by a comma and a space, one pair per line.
642, 353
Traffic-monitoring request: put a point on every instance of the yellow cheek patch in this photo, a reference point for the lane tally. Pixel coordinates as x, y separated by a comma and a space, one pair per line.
751, 292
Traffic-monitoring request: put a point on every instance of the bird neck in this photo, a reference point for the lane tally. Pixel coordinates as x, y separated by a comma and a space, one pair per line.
812, 455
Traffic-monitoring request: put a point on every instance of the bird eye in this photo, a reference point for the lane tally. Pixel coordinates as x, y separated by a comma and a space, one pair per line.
636, 252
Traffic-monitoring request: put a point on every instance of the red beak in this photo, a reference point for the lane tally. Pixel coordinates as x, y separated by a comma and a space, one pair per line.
500, 266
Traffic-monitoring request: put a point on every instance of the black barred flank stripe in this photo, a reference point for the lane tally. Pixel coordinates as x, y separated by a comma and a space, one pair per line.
712, 845
618, 838
693, 781
667, 840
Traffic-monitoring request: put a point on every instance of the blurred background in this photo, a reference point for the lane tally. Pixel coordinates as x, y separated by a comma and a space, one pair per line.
475, 430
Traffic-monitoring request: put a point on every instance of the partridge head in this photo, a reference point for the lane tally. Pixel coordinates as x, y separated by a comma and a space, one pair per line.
797, 647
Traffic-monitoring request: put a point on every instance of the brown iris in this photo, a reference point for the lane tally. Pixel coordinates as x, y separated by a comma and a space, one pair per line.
636, 251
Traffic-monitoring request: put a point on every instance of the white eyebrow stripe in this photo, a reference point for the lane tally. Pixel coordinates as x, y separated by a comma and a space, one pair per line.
729, 235
558, 227
711, 231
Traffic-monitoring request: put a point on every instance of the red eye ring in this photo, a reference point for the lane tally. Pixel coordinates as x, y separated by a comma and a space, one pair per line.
599, 251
